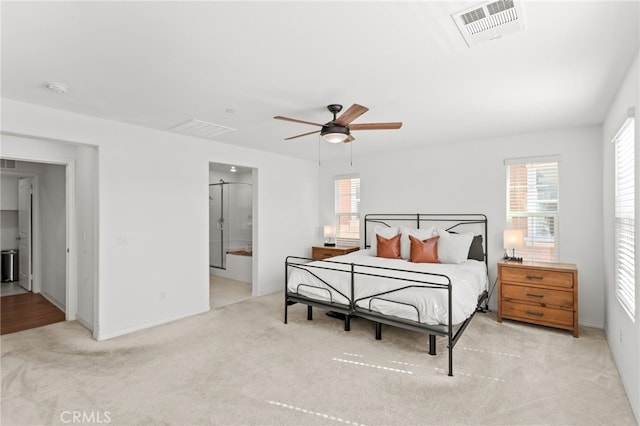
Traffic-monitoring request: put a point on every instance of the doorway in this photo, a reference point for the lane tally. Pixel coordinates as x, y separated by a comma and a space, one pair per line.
231, 212
230, 223
34, 224
77, 166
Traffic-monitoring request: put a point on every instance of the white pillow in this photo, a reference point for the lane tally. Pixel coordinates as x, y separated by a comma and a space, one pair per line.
453, 248
421, 234
383, 231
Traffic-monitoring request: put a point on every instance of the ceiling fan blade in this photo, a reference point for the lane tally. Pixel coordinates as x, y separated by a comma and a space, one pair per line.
351, 114
304, 134
376, 126
295, 120
349, 139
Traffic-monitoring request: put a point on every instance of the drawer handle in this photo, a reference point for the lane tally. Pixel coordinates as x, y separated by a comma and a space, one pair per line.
537, 314
533, 277
535, 295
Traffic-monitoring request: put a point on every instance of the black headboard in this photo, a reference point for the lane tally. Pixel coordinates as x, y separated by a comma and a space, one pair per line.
465, 222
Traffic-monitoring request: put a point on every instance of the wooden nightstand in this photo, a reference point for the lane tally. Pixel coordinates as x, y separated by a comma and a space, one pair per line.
322, 252
539, 293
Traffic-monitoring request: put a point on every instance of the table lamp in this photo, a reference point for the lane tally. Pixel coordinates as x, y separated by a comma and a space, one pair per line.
329, 236
513, 239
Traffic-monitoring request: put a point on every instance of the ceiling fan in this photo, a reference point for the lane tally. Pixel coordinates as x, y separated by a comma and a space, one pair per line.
339, 129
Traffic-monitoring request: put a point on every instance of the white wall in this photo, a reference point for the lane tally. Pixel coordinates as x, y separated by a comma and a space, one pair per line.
9, 192
9, 211
622, 333
471, 178
86, 216
54, 233
9, 225
153, 217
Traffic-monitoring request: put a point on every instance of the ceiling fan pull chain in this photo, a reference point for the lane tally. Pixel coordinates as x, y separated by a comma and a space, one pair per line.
351, 154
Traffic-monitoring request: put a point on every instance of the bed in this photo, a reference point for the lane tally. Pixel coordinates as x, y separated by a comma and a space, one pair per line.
421, 272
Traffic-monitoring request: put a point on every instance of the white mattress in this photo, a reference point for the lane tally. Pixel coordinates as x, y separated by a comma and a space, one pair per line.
469, 281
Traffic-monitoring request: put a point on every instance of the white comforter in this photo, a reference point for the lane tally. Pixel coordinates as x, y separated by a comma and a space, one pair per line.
469, 281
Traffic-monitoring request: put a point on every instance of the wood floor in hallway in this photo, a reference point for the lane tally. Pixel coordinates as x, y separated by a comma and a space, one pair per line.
24, 311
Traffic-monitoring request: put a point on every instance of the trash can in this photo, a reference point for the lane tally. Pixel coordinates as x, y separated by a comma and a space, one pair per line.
10, 266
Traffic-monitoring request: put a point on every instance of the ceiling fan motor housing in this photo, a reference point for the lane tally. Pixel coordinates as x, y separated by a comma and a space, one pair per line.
334, 109
334, 128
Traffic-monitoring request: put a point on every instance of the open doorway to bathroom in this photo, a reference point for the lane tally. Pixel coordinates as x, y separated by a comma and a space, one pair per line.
230, 233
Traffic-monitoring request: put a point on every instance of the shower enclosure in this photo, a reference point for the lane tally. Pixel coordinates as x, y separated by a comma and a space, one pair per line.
230, 220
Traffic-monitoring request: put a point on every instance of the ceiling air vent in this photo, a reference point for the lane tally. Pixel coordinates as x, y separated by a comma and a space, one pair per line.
489, 21
201, 129
8, 164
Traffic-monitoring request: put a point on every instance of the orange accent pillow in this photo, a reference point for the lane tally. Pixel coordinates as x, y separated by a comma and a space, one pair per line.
389, 248
425, 251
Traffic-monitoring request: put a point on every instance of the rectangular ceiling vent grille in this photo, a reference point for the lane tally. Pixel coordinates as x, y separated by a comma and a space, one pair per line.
8, 164
473, 16
489, 21
201, 129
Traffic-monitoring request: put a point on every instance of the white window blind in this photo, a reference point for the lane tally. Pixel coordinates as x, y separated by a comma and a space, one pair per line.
347, 207
532, 206
625, 216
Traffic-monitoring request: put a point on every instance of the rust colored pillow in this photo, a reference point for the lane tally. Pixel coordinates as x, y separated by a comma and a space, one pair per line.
389, 248
425, 251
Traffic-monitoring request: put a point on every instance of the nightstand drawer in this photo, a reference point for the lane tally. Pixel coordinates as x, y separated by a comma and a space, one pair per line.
537, 276
563, 299
320, 252
537, 314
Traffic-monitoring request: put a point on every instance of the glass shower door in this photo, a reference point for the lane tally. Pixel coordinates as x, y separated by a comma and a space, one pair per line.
217, 226
230, 221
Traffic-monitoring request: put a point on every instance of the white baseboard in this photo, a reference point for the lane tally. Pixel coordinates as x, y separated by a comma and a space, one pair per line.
100, 335
83, 322
53, 300
591, 324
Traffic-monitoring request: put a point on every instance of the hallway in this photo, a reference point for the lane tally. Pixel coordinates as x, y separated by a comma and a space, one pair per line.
25, 311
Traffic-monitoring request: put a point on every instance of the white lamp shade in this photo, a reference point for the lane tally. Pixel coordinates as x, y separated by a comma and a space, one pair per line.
513, 239
335, 137
329, 231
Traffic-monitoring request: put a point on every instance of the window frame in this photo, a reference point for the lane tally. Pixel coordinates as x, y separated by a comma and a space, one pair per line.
341, 239
625, 269
533, 249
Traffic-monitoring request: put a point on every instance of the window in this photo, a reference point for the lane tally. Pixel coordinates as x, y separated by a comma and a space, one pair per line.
625, 216
532, 206
347, 205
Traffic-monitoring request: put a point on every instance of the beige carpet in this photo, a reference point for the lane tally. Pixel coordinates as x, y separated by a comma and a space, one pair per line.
224, 291
240, 364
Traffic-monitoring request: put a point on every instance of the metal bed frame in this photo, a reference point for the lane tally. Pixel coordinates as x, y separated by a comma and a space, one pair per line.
417, 280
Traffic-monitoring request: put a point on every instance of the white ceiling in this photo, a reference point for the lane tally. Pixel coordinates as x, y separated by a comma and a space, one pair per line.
237, 64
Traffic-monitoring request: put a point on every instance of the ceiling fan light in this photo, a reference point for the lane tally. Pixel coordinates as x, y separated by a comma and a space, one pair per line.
335, 134
335, 137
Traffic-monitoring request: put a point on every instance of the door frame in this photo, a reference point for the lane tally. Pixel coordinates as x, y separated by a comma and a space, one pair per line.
28, 256
220, 230
71, 287
35, 226
255, 278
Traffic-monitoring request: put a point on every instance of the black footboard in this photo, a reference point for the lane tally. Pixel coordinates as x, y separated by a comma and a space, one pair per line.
293, 297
